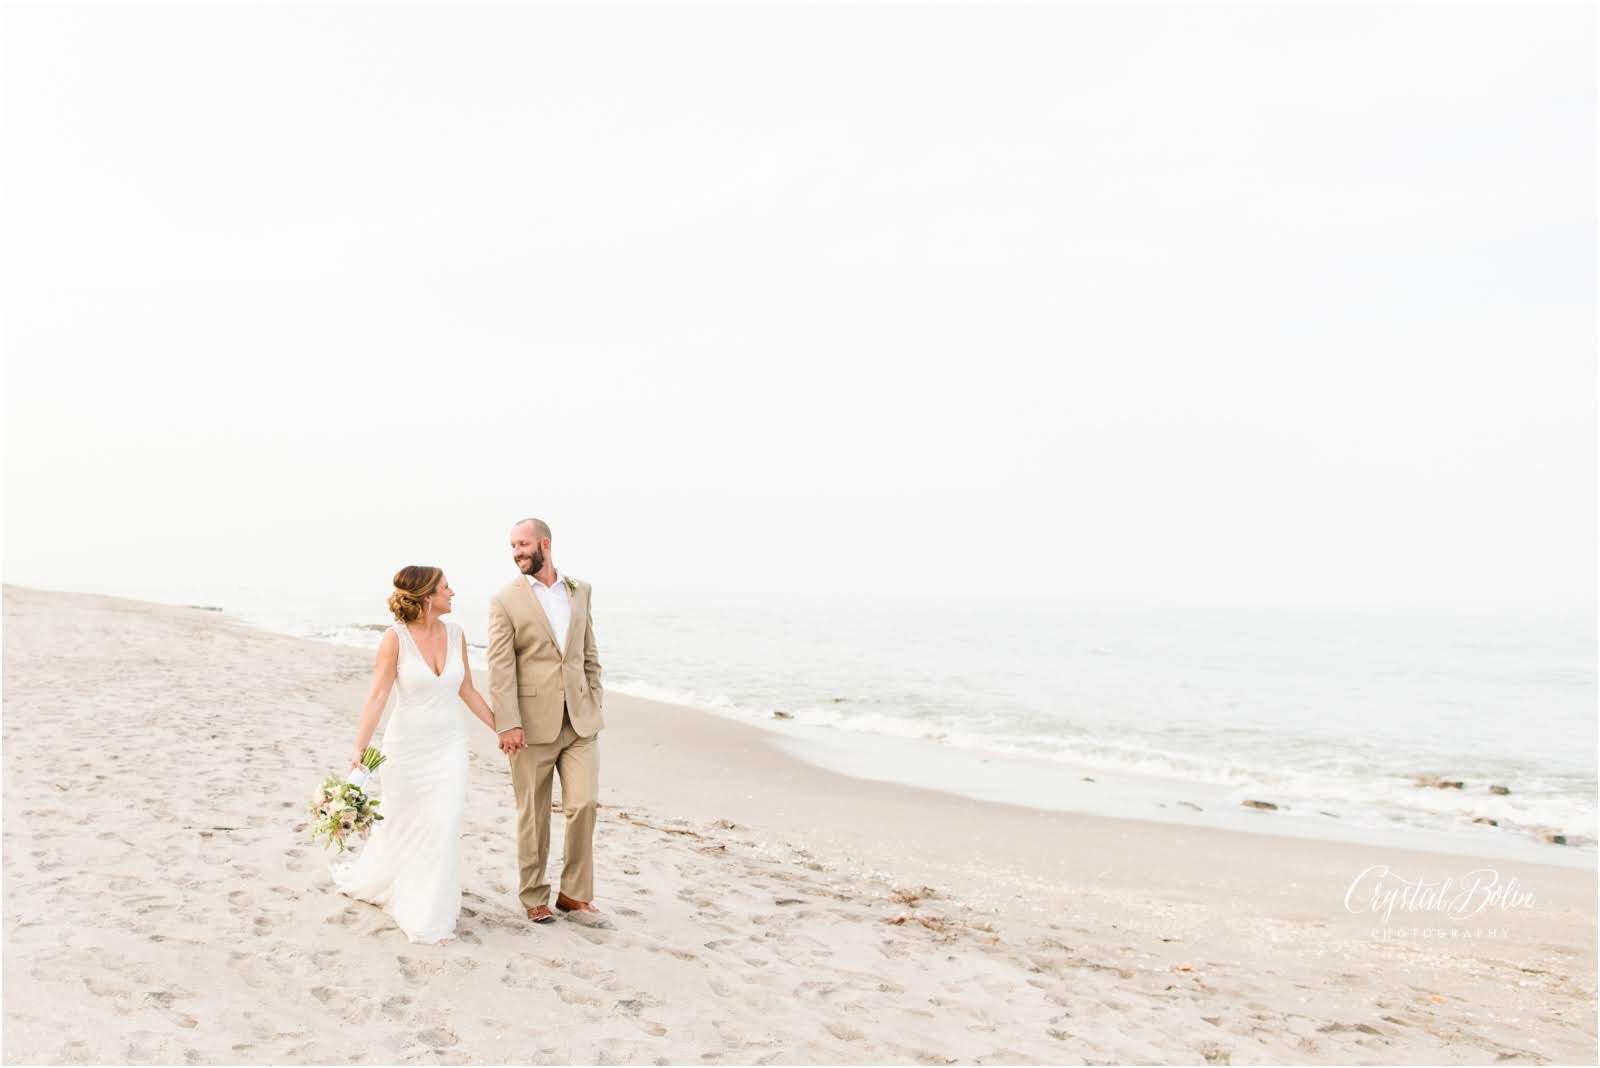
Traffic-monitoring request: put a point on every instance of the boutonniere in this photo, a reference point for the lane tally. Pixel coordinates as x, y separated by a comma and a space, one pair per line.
572, 585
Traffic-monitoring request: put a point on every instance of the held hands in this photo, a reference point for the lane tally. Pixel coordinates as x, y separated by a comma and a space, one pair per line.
512, 740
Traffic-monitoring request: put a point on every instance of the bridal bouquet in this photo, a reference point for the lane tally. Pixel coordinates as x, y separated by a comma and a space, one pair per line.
342, 807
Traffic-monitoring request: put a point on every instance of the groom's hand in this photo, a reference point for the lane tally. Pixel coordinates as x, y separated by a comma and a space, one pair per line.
511, 741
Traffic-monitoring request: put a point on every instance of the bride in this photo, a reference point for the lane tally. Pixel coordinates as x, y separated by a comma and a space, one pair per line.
411, 863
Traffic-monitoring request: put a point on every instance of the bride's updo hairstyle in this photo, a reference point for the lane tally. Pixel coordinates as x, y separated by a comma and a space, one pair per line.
412, 585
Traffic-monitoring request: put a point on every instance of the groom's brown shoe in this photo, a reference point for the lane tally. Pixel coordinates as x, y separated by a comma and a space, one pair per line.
581, 911
541, 914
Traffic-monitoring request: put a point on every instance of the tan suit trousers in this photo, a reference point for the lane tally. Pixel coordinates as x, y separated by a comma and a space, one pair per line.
577, 760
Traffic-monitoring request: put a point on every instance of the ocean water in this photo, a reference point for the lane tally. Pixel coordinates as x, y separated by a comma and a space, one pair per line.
1332, 711
1329, 712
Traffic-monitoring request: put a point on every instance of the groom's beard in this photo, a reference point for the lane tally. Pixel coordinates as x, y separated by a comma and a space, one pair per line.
534, 564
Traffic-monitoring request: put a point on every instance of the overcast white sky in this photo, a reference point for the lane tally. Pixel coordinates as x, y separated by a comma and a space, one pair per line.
1263, 303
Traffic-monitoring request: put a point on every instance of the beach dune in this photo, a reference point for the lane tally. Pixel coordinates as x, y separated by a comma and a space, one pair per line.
162, 902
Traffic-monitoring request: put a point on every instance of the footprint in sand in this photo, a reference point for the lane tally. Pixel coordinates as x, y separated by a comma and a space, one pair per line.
612, 1051
417, 971
817, 987
589, 970
146, 1047
107, 990
438, 1037
575, 997
500, 921
518, 973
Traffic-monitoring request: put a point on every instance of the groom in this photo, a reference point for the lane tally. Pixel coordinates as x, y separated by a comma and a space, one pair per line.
544, 687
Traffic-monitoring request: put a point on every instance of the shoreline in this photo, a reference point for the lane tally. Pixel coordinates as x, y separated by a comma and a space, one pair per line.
844, 919
1055, 784
1052, 784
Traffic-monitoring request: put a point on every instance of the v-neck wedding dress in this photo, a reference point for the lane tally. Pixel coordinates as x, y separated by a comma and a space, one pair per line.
410, 865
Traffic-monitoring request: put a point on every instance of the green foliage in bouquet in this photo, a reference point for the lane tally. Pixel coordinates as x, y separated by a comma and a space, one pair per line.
342, 808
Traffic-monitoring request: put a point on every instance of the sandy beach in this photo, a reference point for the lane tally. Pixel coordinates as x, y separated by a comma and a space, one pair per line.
163, 904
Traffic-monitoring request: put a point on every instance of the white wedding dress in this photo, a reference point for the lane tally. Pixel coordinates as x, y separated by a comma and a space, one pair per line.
410, 865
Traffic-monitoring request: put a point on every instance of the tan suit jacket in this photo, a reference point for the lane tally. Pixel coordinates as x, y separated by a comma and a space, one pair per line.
530, 681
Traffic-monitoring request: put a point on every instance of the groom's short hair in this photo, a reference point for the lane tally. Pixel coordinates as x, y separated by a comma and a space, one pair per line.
541, 529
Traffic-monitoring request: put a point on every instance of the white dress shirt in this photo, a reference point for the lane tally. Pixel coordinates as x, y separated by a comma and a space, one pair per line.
557, 605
